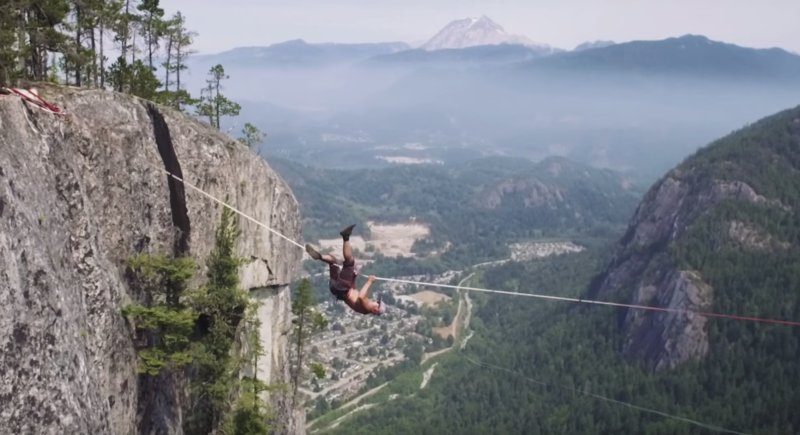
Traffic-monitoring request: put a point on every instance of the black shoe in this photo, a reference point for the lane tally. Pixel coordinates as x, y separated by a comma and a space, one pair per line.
313, 253
345, 233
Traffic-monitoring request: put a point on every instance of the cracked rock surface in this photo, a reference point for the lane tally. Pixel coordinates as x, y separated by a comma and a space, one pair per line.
81, 194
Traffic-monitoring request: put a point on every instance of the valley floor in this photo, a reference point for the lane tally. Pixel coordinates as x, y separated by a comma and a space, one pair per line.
369, 344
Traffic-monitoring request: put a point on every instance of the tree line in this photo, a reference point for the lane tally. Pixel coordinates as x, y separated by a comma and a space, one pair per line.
129, 46
71, 41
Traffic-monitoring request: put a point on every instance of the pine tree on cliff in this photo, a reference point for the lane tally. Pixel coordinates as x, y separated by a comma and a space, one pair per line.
152, 27
9, 51
251, 135
306, 322
29, 31
86, 51
213, 104
222, 305
132, 75
163, 326
177, 40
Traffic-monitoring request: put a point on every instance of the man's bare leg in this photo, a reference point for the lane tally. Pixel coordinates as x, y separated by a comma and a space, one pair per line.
347, 252
328, 258
313, 253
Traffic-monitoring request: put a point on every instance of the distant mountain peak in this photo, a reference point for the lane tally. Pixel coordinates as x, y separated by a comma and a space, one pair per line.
588, 45
693, 37
297, 41
475, 31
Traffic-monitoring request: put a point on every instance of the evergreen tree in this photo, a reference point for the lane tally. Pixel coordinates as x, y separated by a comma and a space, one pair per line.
40, 37
213, 104
164, 323
152, 27
177, 40
144, 83
183, 40
137, 79
306, 322
93, 19
80, 51
251, 135
108, 14
10, 15
251, 414
222, 306
39, 24
124, 27
211, 332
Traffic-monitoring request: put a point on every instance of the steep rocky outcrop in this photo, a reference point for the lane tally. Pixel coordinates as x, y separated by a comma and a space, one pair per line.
81, 194
531, 193
739, 195
555, 192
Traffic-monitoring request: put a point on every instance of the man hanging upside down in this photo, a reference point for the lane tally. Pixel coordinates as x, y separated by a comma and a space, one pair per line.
343, 279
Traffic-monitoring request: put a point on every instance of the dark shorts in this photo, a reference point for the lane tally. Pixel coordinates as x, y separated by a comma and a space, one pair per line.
342, 279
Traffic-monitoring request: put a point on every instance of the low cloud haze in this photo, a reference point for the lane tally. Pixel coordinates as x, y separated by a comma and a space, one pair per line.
636, 107
639, 107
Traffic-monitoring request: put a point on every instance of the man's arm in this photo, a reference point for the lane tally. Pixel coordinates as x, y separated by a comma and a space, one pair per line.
365, 289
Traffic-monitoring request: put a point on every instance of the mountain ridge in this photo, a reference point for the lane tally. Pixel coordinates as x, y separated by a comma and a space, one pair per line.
687, 54
736, 200
298, 52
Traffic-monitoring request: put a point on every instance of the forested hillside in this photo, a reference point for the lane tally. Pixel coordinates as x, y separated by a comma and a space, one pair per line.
722, 229
550, 361
474, 208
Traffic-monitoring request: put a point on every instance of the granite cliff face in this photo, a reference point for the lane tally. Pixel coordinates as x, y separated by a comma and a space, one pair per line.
81, 194
738, 197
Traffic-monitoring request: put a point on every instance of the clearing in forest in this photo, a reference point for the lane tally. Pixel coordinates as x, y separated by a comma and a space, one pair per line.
429, 298
391, 240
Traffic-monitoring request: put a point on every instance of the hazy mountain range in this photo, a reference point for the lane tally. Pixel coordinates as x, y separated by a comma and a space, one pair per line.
638, 106
297, 52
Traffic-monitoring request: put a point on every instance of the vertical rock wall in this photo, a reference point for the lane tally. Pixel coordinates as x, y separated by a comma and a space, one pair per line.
81, 194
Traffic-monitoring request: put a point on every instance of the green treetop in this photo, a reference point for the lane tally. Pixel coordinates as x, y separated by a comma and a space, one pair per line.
213, 104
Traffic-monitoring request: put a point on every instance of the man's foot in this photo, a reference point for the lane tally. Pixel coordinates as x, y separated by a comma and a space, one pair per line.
345, 233
313, 253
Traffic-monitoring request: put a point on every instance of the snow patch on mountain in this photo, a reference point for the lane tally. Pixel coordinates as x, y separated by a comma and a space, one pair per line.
472, 32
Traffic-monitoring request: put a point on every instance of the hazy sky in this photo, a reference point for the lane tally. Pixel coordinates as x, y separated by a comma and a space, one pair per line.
563, 23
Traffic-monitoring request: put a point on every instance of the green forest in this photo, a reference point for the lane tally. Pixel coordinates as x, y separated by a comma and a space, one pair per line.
544, 353
545, 367
469, 207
